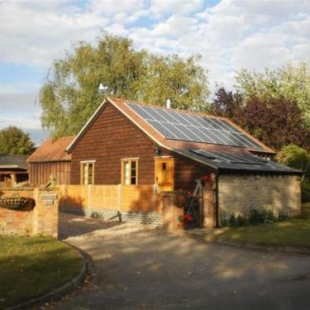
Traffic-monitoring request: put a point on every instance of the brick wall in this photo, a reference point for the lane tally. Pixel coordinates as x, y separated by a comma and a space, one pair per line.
237, 193
40, 220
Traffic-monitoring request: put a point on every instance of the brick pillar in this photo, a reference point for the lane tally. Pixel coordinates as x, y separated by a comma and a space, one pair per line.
170, 212
209, 208
45, 213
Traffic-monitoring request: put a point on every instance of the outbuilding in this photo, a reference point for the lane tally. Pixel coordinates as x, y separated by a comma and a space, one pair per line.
132, 144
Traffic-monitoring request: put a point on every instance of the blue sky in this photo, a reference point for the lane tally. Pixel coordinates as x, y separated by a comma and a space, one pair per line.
229, 34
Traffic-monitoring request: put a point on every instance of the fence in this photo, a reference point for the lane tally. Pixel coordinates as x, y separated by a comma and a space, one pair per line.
137, 203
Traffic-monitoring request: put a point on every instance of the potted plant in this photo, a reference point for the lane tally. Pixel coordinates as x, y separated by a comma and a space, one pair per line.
185, 218
208, 180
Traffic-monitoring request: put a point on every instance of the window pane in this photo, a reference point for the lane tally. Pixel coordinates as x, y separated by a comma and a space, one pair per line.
130, 172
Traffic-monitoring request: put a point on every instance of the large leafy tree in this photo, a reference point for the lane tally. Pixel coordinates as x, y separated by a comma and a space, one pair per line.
226, 104
184, 82
70, 94
289, 82
14, 141
276, 122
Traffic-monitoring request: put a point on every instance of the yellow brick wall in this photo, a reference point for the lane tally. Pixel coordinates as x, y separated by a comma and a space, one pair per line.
41, 220
237, 193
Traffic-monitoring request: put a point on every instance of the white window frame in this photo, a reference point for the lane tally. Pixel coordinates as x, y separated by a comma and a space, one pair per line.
130, 172
85, 166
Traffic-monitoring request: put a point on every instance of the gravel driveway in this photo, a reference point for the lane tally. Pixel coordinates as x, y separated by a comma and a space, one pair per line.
136, 268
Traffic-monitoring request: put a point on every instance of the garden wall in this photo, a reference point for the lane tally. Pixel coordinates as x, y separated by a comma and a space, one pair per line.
133, 203
42, 219
238, 193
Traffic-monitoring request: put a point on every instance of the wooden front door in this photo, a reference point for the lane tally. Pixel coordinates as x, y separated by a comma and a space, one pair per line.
164, 173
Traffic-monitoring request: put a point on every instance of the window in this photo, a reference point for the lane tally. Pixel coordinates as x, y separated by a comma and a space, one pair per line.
130, 171
87, 172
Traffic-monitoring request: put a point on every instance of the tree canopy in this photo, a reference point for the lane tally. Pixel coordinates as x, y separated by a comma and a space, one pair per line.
226, 104
70, 94
276, 122
289, 82
14, 141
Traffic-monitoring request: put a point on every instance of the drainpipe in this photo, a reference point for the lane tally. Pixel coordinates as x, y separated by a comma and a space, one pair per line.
217, 200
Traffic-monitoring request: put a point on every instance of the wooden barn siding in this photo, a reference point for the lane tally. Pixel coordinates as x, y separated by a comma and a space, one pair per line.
108, 197
187, 171
40, 172
111, 138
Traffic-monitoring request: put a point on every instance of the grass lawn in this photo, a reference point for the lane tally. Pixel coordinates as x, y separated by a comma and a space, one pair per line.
287, 233
33, 266
292, 233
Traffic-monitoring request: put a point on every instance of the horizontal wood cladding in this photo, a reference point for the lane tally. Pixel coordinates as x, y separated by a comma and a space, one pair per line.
111, 138
39, 173
187, 171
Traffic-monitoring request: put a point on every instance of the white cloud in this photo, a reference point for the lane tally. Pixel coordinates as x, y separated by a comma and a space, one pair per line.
179, 7
229, 34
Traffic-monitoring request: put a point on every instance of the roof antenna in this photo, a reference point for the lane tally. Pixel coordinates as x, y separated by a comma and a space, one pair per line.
168, 104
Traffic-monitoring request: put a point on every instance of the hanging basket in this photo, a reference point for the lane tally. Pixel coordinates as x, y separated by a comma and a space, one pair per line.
16, 203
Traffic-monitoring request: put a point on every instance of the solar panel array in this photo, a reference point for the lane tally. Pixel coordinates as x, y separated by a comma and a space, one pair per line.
231, 157
176, 125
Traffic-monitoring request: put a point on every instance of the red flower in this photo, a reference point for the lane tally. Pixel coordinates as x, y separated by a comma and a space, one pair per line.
185, 218
208, 177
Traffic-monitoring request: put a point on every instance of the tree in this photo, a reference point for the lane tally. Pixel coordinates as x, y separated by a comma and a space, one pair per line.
289, 82
293, 156
70, 94
275, 122
170, 77
226, 104
14, 141
296, 157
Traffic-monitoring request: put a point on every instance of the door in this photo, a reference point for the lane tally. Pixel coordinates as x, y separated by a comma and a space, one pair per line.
164, 173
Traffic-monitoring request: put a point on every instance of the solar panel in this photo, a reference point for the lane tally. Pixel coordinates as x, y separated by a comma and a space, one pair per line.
231, 157
177, 125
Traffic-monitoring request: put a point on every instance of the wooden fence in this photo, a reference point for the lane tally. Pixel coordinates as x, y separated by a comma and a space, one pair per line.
109, 197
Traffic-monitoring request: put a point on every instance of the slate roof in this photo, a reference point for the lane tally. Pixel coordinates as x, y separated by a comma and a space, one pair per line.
52, 151
183, 132
224, 161
13, 162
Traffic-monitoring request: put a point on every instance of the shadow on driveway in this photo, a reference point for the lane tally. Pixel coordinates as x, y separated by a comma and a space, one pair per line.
136, 268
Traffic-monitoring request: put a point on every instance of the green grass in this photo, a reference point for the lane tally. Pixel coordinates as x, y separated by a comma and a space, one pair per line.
33, 266
291, 233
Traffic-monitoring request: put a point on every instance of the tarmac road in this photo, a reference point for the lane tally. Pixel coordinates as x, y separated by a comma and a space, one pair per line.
145, 269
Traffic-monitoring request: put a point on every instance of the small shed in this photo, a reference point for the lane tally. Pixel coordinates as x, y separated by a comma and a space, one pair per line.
132, 144
50, 161
13, 170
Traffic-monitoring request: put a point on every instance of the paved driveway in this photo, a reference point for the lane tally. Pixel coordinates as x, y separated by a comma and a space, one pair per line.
133, 268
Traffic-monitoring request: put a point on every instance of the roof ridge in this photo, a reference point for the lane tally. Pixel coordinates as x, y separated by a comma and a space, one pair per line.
163, 107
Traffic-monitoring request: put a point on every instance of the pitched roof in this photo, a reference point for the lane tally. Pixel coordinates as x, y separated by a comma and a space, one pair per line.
52, 150
185, 132
170, 126
10, 161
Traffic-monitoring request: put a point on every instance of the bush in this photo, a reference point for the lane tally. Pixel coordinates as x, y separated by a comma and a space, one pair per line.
253, 216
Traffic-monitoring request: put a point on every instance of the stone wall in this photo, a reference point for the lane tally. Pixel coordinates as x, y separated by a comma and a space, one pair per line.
40, 220
237, 193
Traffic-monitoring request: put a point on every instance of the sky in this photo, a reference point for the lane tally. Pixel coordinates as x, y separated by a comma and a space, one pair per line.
229, 35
